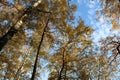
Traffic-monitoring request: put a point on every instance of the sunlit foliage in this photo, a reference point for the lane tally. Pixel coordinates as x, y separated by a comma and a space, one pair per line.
38, 35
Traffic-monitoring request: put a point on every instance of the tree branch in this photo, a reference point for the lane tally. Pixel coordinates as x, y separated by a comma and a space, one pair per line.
117, 52
63, 65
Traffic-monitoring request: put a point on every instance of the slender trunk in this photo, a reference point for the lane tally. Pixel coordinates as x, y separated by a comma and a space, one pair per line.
38, 52
63, 65
11, 32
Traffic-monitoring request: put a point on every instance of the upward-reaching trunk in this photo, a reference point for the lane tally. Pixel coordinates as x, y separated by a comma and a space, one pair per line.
8, 36
38, 52
63, 65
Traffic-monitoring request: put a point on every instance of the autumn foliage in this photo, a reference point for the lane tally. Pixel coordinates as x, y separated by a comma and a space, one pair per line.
39, 37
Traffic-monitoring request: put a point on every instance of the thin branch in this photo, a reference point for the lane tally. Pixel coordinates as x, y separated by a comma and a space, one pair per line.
9, 4
63, 65
15, 7
23, 62
43, 11
113, 59
117, 52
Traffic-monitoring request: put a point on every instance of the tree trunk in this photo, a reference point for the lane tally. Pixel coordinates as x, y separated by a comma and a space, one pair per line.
38, 52
63, 65
8, 36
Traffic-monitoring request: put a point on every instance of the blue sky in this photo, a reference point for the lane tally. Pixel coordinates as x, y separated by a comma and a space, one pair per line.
86, 9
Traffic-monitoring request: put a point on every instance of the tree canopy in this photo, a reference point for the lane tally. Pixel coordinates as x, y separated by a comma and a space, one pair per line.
39, 37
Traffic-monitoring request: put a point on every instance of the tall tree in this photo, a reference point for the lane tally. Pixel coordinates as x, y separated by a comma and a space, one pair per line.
22, 25
15, 13
71, 48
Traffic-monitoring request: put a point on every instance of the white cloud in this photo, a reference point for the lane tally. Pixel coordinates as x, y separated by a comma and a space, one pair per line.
91, 12
102, 20
101, 28
82, 1
91, 5
78, 1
